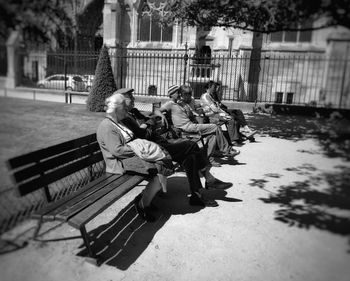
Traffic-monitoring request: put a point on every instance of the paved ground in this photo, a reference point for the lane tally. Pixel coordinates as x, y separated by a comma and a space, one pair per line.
287, 217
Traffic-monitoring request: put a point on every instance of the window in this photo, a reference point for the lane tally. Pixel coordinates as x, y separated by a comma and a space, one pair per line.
150, 28
279, 97
77, 78
230, 44
56, 78
292, 36
289, 98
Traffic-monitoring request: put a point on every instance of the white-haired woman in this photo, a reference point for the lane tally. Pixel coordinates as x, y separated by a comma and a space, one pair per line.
113, 137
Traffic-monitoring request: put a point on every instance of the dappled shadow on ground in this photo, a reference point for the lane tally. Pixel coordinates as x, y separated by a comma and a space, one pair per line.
120, 242
333, 134
305, 204
228, 161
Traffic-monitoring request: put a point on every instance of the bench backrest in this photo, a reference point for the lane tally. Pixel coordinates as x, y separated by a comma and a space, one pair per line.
38, 169
156, 105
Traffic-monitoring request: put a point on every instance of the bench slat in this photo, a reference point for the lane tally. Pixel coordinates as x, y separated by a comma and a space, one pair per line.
44, 153
99, 191
58, 174
99, 206
46, 165
48, 210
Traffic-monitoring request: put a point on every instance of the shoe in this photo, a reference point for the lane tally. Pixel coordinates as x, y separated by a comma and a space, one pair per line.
231, 152
237, 143
249, 134
213, 163
218, 184
144, 213
195, 200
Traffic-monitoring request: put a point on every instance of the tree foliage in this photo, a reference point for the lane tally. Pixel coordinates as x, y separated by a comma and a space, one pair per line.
104, 83
38, 20
261, 15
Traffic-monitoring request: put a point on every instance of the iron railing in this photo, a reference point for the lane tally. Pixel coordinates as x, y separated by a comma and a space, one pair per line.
301, 78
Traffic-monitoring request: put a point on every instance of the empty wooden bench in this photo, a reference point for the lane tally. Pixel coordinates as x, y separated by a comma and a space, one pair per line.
43, 169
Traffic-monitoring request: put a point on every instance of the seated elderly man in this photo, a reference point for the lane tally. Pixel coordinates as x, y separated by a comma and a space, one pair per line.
182, 117
185, 152
217, 112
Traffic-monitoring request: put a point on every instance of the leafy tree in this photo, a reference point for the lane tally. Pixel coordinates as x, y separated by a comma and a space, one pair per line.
38, 21
262, 16
68, 22
104, 83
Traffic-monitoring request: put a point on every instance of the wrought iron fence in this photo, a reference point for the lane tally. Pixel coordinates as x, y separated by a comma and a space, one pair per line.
302, 78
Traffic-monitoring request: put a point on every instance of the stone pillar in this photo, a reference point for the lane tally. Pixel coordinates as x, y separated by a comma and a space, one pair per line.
176, 35
13, 60
133, 26
111, 23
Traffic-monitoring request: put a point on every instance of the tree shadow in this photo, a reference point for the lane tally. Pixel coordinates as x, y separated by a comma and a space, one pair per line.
333, 134
120, 242
305, 205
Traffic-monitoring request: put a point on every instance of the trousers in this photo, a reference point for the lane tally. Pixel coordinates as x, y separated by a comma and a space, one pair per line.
192, 159
232, 127
213, 133
238, 115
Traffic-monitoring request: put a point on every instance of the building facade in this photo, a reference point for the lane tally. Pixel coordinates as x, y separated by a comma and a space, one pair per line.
307, 74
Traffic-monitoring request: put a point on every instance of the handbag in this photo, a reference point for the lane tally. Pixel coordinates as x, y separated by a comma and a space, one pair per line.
136, 165
147, 150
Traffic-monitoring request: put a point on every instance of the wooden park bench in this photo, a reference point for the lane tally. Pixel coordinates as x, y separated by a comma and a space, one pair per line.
40, 171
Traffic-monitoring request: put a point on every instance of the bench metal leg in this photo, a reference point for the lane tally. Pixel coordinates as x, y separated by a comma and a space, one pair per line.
86, 241
93, 259
37, 229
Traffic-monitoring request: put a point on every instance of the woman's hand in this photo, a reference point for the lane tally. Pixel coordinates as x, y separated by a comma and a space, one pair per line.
164, 121
143, 126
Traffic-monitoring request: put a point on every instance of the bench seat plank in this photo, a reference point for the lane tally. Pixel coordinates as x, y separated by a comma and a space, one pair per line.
47, 213
103, 189
99, 206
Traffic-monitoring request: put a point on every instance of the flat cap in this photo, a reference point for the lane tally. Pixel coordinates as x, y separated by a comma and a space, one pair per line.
123, 91
172, 90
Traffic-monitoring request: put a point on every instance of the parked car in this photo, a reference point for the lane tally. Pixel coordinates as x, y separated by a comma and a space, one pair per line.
57, 81
88, 79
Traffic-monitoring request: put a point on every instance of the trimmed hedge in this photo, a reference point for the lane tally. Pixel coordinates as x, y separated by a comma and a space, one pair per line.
104, 83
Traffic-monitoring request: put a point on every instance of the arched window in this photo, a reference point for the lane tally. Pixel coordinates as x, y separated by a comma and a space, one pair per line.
150, 28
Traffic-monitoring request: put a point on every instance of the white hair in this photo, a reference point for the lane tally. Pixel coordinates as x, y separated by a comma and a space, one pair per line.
113, 101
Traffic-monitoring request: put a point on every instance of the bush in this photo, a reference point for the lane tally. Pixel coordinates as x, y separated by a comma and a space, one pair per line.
104, 83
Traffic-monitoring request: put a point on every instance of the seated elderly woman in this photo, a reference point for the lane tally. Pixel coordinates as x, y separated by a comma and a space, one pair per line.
113, 138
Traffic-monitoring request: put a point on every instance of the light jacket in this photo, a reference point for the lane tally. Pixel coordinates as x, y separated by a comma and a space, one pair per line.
211, 107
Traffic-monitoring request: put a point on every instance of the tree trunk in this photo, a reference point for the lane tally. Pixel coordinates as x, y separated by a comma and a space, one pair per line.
254, 67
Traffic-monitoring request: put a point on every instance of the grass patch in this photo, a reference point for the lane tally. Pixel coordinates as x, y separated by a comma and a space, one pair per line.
27, 125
